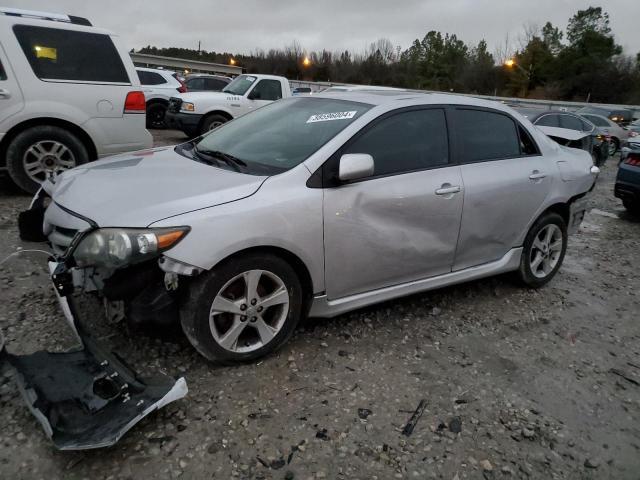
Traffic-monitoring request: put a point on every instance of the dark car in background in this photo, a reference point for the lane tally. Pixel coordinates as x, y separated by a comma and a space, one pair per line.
206, 83
622, 117
627, 187
593, 142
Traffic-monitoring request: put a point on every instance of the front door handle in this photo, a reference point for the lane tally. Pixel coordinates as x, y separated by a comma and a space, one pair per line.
448, 189
4, 93
537, 175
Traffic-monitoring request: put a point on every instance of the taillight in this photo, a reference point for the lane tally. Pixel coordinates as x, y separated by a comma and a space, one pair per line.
183, 86
633, 159
633, 134
134, 103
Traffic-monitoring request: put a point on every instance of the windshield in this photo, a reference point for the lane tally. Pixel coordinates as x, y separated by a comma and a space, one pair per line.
276, 137
240, 85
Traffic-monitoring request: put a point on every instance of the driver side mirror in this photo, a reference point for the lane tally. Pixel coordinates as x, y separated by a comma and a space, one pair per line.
354, 166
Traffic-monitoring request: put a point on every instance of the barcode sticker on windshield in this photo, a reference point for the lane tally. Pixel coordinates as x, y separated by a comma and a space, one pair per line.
325, 117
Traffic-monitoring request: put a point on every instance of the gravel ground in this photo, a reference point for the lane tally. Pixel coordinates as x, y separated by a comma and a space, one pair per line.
517, 383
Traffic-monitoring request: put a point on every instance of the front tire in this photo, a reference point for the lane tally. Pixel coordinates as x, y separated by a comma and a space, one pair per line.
211, 122
543, 251
243, 309
43, 151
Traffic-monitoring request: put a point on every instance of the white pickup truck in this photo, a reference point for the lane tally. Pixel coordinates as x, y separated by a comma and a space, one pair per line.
198, 112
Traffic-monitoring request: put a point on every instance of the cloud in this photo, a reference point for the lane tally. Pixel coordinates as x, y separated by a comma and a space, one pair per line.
244, 26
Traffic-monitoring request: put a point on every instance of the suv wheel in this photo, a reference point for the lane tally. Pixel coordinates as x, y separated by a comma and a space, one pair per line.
155, 115
544, 250
41, 152
212, 122
243, 309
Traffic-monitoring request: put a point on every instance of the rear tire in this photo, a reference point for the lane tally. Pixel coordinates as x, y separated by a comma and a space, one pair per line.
41, 151
614, 146
211, 122
632, 207
229, 321
543, 251
155, 115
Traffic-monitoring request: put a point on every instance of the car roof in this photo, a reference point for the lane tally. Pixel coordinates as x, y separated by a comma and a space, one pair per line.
155, 70
383, 97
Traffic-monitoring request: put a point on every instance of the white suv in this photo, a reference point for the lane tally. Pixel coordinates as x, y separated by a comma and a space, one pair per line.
69, 94
158, 87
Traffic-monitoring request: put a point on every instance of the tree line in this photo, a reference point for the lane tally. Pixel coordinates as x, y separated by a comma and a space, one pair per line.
583, 62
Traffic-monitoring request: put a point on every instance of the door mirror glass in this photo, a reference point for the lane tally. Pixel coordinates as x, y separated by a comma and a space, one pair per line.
354, 166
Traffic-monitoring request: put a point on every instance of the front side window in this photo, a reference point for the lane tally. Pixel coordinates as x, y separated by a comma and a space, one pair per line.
483, 135
57, 54
570, 122
267, 90
600, 122
406, 141
276, 137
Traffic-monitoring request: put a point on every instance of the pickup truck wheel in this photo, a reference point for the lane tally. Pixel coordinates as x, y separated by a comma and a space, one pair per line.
632, 207
212, 122
544, 248
43, 151
243, 309
155, 115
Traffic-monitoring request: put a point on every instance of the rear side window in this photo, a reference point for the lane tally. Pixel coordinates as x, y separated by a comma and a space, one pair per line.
150, 78
3, 75
571, 122
56, 54
406, 141
548, 121
214, 84
484, 135
527, 145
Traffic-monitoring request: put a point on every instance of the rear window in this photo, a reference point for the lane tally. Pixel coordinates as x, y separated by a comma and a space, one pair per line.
486, 135
548, 121
57, 54
600, 122
570, 122
214, 84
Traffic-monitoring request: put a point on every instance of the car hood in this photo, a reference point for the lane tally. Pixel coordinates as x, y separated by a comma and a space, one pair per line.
139, 188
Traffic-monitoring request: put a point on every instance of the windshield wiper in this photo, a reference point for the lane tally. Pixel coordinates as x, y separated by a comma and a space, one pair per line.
218, 155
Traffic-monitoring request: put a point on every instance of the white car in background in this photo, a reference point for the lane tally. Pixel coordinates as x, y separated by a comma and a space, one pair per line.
69, 94
158, 87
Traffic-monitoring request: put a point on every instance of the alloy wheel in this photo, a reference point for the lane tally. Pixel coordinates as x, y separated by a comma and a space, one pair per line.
214, 125
47, 158
546, 250
249, 311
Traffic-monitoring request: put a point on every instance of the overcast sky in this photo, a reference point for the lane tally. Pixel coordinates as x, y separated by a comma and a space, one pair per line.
241, 26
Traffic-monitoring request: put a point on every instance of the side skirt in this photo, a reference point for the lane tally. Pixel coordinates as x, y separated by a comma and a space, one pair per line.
323, 307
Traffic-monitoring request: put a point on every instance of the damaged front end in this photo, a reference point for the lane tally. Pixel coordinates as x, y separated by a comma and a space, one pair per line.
86, 397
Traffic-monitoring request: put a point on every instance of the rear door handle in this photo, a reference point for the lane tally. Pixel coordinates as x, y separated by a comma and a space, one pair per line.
448, 189
536, 175
4, 93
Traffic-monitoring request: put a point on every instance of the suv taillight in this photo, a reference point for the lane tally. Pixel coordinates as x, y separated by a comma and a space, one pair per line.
134, 103
183, 87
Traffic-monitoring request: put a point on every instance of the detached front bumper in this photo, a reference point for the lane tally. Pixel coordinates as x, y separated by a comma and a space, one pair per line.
186, 122
86, 398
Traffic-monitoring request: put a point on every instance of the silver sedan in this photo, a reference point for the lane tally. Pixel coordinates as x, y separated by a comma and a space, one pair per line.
316, 206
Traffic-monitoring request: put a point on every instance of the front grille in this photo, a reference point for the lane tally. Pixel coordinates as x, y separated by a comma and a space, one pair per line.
174, 104
61, 238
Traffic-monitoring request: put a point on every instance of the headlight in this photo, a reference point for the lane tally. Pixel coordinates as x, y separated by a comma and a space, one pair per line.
116, 247
188, 107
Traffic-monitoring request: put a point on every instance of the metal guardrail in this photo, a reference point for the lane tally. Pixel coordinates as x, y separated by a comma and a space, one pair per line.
524, 102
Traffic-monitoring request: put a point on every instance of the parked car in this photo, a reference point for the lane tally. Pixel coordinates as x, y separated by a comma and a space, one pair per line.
158, 87
69, 94
195, 113
627, 187
622, 117
608, 128
316, 205
589, 139
202, 82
